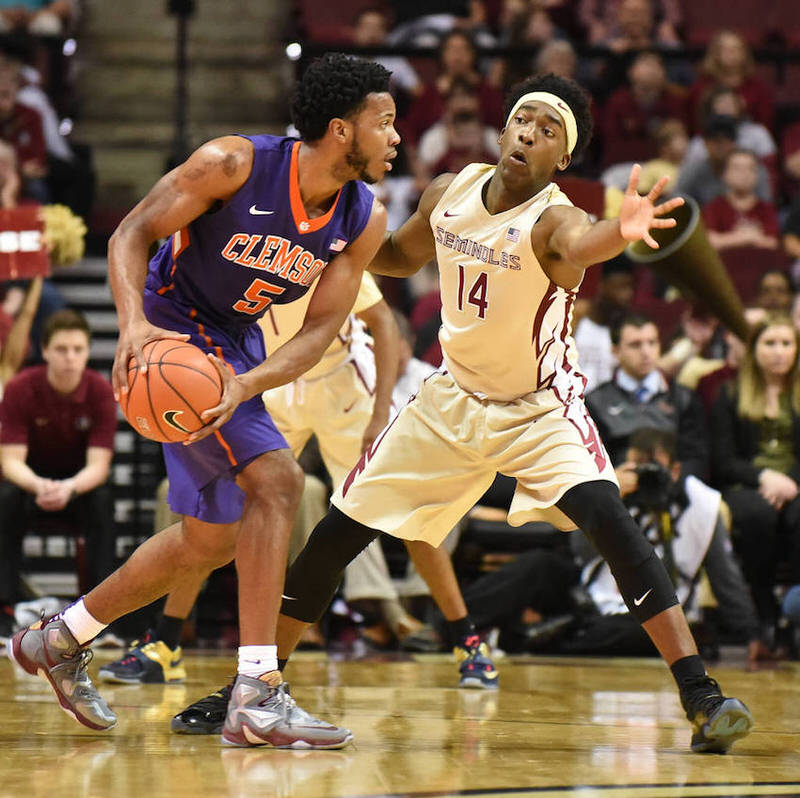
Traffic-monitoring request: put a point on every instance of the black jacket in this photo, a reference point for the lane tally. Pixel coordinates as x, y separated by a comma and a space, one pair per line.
618, 415
736, 442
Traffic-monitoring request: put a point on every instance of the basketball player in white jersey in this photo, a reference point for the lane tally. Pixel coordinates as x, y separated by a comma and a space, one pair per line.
511, 251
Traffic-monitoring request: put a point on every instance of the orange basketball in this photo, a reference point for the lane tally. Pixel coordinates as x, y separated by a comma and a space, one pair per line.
165, 403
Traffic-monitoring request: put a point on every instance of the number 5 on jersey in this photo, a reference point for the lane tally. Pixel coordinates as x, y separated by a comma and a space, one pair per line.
477, 294
257, 297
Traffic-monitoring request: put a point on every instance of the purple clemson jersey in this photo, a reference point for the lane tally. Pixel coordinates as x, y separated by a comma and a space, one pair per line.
215, 278
260, 247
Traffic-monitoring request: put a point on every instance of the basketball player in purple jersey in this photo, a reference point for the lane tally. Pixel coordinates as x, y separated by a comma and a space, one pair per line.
250, 221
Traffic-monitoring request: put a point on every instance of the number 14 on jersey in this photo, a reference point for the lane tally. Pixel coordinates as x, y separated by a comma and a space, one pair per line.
477, 295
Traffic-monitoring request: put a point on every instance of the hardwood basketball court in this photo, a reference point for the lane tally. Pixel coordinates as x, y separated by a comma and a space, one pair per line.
556, 727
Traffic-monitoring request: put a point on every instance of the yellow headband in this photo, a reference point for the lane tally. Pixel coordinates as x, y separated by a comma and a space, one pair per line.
559, 106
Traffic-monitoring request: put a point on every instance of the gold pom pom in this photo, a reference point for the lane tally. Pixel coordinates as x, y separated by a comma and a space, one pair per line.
64, 234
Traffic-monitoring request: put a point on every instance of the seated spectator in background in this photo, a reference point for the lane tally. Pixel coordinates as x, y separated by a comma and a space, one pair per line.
739, 218
21, 127
459, 138
775, 291
633, 113
57, 425
371, 30
423, 23
729, 63
753, 136
593, 332
639, 397
601, 20
528, 30
457, 62
39, 17
670, 142
756, 457
717, 372
701, 176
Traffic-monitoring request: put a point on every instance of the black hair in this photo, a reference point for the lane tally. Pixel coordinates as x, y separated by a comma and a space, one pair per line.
637, 320
620, 264
784, 275
720, 126
335, 85
569, 91
648, 440
65, 319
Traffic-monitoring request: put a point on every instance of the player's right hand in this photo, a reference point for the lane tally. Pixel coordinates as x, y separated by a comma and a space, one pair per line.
131, 340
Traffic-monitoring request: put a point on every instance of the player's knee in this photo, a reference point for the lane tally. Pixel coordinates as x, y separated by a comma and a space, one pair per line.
276, 486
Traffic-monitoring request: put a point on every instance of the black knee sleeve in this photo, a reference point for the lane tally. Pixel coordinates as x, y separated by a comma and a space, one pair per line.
314, 576
598, 511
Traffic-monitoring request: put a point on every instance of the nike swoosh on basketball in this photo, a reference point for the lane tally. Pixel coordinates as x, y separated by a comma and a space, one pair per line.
256, 212
171, 417
638, 601
448, 214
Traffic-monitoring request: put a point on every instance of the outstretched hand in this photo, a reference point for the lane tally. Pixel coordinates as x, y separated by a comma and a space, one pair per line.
638, 215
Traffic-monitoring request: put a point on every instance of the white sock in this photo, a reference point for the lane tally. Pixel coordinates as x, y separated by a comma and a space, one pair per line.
255, 661
83, 625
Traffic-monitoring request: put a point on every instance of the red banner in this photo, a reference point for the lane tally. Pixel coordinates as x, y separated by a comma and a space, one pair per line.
23, 253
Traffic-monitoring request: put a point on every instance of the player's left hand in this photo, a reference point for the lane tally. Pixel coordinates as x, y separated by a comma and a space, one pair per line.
233, 394
638, 215
371, 432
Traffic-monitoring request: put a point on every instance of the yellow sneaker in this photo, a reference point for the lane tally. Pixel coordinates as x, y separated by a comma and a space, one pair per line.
149, 661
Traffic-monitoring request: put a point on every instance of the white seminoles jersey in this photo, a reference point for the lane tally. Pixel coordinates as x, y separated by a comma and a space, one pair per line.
505, 325
351, 344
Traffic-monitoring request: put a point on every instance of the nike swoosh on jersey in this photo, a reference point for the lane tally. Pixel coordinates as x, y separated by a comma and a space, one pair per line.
638, 601
448, 214
256, 212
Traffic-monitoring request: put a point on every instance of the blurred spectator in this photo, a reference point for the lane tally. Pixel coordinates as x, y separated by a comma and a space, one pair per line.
57, 425
70, 180
670, 141
701, 176
633, 113
774, 291
706, 376
728, 62
756, 431
371, 30
457, 60
459, 137
753, 136
423, 23
639, 397
39, 17
739, 218
21, 127
608, 21
558, 57
593, 332
528, 29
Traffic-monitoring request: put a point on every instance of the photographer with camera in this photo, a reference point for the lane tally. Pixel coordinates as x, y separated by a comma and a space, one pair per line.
680, 515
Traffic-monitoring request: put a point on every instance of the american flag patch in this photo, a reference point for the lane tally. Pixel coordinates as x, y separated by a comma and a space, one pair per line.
337, 245
512, 234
